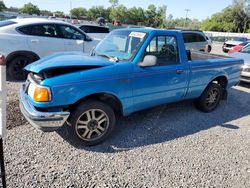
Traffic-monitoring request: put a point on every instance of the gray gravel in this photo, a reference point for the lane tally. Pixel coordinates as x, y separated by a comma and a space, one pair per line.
168, 146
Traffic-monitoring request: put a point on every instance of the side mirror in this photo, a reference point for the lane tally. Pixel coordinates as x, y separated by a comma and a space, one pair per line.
87, 38
148, 61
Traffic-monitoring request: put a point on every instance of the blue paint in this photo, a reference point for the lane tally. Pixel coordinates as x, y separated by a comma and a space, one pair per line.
135, 87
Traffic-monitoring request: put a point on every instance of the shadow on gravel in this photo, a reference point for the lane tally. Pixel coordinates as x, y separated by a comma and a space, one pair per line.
169, 122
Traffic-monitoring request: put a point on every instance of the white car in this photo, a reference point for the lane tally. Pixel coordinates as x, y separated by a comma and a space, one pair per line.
244, 54
196, 40
95, 31
24, 41
234, 41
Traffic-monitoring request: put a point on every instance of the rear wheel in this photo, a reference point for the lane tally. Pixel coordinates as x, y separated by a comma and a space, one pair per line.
91, 122
16, 66
210, 98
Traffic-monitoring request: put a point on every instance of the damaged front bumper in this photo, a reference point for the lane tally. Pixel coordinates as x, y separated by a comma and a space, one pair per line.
45, 121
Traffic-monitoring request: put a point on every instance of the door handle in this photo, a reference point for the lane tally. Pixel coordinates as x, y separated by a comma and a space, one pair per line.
179, 71
34, 40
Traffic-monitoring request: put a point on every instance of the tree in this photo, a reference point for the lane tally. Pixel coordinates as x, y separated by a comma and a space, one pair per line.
119, 13
150, 16
78, 12
98, 11
59, 14
135, 16
114, 3
2, 6
45, 13
234, 18
30, 9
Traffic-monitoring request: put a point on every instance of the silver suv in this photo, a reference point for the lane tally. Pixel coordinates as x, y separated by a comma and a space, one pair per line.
196, 40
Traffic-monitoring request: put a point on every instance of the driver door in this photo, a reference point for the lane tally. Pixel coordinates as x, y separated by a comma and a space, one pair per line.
166, 81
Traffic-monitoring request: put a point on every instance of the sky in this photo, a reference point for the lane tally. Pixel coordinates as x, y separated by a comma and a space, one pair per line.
199, 9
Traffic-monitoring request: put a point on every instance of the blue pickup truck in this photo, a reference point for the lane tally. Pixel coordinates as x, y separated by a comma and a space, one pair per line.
130, 70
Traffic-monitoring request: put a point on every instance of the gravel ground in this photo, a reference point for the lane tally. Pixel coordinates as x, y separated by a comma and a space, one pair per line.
168, 146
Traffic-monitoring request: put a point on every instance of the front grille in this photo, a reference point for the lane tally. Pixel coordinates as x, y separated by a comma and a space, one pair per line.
230, 45
245, 78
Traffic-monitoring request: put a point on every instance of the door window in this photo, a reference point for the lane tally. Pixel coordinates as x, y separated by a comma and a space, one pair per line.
43, 30
70, 33
165, 48
193, 37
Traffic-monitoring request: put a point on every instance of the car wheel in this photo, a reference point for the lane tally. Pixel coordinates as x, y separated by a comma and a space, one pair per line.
91, 123
209, 49
15, 68
210, 98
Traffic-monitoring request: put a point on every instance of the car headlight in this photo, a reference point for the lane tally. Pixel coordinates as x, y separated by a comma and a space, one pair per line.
246, 68
39, 93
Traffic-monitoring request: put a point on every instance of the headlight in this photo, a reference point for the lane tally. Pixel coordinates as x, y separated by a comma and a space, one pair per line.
39, 93
246, 68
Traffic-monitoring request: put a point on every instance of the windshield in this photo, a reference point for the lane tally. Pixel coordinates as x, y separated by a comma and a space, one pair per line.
243, 39
120, 44
246, 49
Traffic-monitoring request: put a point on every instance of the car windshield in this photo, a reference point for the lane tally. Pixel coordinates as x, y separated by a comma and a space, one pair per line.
246, 49
243, 39
121, 45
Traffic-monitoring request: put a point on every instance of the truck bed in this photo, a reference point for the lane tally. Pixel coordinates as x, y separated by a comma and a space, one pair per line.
198, 55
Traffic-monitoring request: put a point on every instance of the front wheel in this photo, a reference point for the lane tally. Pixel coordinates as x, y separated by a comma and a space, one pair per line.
15, 68
210, 98
91, 122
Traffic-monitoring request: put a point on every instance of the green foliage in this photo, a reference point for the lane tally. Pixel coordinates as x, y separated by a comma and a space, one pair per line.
78, 12
30, 9
59, 14
98, 11
2, 6
46, 13
119, 13
234, 18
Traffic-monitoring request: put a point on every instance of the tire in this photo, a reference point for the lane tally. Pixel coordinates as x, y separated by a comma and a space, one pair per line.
209, 49
15, 68
89, 131
210, 98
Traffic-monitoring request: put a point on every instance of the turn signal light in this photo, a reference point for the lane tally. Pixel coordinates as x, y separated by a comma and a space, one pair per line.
41, 95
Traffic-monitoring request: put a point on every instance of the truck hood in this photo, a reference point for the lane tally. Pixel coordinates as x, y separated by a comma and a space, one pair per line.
244, 56
69, 60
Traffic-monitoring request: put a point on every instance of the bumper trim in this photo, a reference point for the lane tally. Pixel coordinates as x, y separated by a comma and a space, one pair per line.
45, 121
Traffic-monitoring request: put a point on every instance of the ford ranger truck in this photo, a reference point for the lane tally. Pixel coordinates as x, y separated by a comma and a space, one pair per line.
130, 70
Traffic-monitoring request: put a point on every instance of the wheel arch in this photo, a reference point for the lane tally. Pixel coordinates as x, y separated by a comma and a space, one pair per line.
15, 54
107, 98
221, 80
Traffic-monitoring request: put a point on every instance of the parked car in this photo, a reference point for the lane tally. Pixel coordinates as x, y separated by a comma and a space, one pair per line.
238, 47
24, 41
244, 54
234, 41
95, 31
127, 72
196, 40
210, 43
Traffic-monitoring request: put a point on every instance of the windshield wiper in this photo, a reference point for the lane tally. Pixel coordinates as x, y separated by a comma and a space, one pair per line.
113, 59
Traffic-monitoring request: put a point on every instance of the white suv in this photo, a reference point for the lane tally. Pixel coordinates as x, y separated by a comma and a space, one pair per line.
24, 41
196, 40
